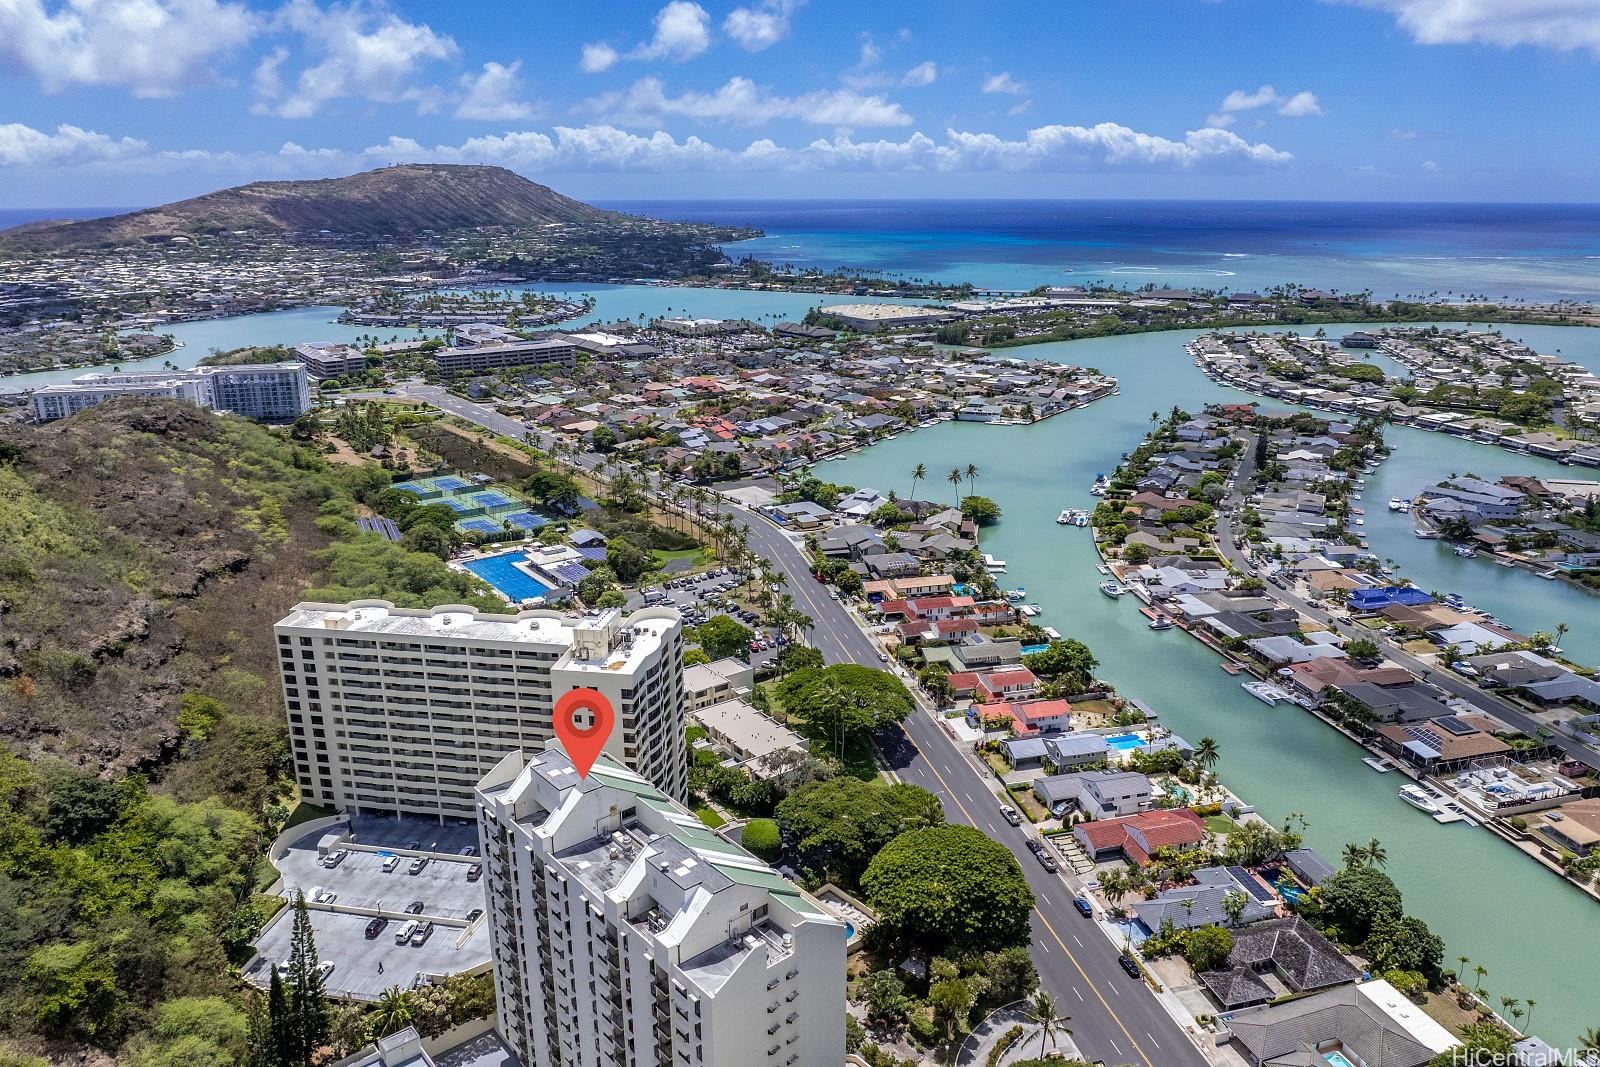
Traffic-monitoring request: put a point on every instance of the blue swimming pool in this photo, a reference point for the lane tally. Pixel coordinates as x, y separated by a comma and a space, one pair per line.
1337, 1059
1028, 650
501, 572
1124, 742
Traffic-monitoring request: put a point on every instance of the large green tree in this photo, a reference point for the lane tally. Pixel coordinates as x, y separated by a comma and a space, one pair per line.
721, 636
1067, 661
949, 888
838, 825
1406, 944
844, 702
1357, 899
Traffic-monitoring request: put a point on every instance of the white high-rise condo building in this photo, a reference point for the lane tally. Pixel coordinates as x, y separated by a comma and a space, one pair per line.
626, 934
255, 390
400, 711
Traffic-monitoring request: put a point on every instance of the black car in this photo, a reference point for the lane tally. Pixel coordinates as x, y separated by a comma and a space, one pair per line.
1131, 965
472, 916
375, 927
414, 908
1084, 907
1035, 846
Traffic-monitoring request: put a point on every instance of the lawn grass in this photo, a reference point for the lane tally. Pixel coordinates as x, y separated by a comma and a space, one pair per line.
710, 817
697, 557
1220, 824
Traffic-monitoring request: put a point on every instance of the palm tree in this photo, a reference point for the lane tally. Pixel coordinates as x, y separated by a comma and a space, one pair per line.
1589, 1041
972, 476
392, 1013
1043, 1011
1206, 753
917, 474
1561, 631
1376, 854
1481, 972
954, 478
1531, 1005
1354, 856
1462, 962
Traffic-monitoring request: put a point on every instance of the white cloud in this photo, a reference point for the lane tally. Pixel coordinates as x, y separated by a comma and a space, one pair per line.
150, 47
761, 25
870, 53
1565, 25
1106, 147
24, 146
1297, 106
742, 101
1004, 83
597, 57
683, 31
921, 75
1300, 105
494, 94
366, 52
1019, 108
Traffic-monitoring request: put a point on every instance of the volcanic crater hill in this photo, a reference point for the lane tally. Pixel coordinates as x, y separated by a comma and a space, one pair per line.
402, 200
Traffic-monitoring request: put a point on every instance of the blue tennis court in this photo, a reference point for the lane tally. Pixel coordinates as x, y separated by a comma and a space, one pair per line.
491, 499
457, 506
501, 572
527, 520
450, 483
483, 526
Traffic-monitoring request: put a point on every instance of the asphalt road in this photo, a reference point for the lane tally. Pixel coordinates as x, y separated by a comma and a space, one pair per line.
1447, 680
1114, 1018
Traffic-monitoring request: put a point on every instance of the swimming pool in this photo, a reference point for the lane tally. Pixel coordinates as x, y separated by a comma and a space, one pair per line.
501, 572
1124, 742
1028, 650
1337, 1059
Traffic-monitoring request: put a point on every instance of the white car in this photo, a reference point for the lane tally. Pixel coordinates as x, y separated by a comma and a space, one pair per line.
1009, 814
325, 968
323, 896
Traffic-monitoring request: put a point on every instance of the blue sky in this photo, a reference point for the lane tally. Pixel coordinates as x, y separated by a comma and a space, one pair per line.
126, 102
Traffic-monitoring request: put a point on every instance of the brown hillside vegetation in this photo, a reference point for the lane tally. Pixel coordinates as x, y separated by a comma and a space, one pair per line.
397, 201
145, 550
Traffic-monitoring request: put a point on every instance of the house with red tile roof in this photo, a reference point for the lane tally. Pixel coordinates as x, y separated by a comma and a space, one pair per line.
1137, 837
1027, 718
1009, 684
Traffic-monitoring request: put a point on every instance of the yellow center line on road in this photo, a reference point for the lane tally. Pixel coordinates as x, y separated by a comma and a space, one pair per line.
1047, 924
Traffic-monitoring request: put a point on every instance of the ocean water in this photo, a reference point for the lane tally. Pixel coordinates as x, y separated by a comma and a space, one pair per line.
1526, 251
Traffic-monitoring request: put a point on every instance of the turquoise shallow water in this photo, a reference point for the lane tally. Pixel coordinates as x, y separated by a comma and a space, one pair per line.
1536, 935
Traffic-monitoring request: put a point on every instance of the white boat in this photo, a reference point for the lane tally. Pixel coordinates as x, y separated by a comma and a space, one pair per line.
1160, 622
1073, 517
1102, 568
1112, 588
1396, 504
1548, 576
1464, 551
1379, 764
1016, 594
1265, 692
1420, 798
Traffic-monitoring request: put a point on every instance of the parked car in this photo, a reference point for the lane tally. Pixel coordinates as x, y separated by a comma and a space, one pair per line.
1131, 965
417, 865
323, 896
1084, 907
390, 863
282, 967
474, 872
420, 935
407, 928
375, 927
336, 857
414, 908
1009, 814
1047, 861
1035, 846
469, 850
325, 968
472, 916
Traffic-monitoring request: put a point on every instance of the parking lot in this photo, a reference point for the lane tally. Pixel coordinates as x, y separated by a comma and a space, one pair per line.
361, 889
705, 596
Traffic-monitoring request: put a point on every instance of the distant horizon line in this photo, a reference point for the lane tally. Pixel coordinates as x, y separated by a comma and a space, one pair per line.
103, 210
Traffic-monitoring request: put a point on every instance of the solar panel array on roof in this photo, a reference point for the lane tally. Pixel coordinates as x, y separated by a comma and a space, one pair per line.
1454, 725
597, 553
1252, 885
571, 571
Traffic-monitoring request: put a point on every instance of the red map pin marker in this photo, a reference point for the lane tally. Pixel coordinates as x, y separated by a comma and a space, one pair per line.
583, 720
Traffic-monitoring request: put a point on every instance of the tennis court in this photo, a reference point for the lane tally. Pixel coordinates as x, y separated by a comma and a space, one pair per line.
483, 526
527, 520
